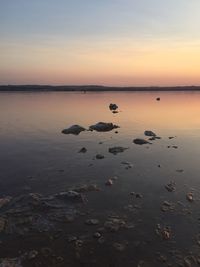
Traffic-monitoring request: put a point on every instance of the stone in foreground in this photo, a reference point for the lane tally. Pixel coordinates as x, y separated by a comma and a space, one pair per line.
139, 141
74, 129
149, 133
103, 127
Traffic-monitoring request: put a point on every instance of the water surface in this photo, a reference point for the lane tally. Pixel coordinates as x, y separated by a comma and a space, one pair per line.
36, 157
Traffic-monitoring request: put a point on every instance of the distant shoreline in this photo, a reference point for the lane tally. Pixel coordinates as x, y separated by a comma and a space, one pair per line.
93, 88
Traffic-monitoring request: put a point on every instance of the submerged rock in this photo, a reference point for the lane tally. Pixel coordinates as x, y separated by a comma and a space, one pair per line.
83, 150
74, 129
103, 127
4, 201
139, 141
128, 164
114, 224
113, 106
100, 156
170, 187
117, 149
92, 222
10, 262
85, 188
149, 133
70, 195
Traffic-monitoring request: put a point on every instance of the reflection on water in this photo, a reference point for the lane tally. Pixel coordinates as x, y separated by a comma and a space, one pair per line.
36, 157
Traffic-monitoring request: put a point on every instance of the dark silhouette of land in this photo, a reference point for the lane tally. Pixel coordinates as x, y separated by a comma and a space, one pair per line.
91, 88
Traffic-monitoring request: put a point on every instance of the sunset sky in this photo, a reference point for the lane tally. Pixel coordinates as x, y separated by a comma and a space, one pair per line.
107, 42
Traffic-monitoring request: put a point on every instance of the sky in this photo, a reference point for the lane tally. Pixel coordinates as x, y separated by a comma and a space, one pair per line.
105, 42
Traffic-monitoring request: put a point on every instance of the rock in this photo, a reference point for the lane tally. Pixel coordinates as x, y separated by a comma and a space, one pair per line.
138, 195
179, 170
119, 247
190, 197
154, 138
9, 262
170, 187
164, 232
175, 147
167, 206
83, 150
97, 235
158, 98
171, 137
99, 156
113, 107
149, 133
128, 165
92, 222
74, 129
139, 141
32, 254
72, 239
85, 188
117, 149
103, 127
114, 224
109, 182
115, 111
70, 195
4, 201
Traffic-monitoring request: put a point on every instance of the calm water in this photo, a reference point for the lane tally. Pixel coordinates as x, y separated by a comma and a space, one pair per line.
36, 157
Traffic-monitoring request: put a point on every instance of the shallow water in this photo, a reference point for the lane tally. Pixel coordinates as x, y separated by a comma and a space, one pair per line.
36, 157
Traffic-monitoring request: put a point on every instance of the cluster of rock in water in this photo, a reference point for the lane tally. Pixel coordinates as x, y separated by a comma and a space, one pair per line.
34, 213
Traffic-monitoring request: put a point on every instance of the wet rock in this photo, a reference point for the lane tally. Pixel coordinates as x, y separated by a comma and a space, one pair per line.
119, 247
113, 107
85, 188
109, 182
149, 133
100, 156
74, 129
190, 197
114, 224
180, 170
97, 235
9, 262
70, 195
187, 262
83, 150
117, 149
92, 222
128, 164
32, 254
72, 239
164, 232
139, 141
154, 138
170, 187
103, 127
4, 201
137, 195
167, 206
